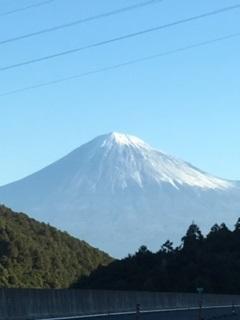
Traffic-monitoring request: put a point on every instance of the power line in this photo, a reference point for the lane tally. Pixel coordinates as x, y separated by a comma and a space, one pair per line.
127, 36
80, 21
35, 5
124, 64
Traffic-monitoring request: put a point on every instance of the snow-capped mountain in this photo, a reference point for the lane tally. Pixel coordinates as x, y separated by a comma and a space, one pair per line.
118, 193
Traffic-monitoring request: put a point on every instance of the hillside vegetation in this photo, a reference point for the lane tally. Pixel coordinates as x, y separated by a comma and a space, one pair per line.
211, 262
36, 255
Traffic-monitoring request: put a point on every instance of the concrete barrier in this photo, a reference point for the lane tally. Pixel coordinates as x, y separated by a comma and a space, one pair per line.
18, 304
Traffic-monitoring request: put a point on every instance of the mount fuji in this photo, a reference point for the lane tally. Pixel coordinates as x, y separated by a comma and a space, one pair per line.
117, 193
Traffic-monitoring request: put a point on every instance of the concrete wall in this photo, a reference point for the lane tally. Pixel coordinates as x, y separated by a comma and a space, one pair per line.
34, 304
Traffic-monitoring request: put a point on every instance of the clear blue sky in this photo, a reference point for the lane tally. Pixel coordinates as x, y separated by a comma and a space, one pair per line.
187, 104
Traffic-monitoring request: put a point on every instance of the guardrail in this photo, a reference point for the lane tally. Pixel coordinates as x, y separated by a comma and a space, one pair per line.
19, 304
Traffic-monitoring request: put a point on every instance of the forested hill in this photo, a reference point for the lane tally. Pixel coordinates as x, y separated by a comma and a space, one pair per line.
211, 262
36, 255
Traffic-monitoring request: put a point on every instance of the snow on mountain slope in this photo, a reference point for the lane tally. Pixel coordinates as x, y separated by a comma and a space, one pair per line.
143, 163
118, 193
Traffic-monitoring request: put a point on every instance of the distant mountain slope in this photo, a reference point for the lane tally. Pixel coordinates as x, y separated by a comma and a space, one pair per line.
117, 192
36, 255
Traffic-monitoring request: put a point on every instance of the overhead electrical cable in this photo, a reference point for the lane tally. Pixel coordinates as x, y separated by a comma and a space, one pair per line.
81, 21
31, 6
120, 38
124, 64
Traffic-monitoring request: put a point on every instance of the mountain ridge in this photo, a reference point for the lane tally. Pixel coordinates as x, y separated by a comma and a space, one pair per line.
116, 185
118, 138
37, 255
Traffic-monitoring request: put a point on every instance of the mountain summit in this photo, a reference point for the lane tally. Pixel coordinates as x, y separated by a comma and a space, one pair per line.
117, 192
130, 160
